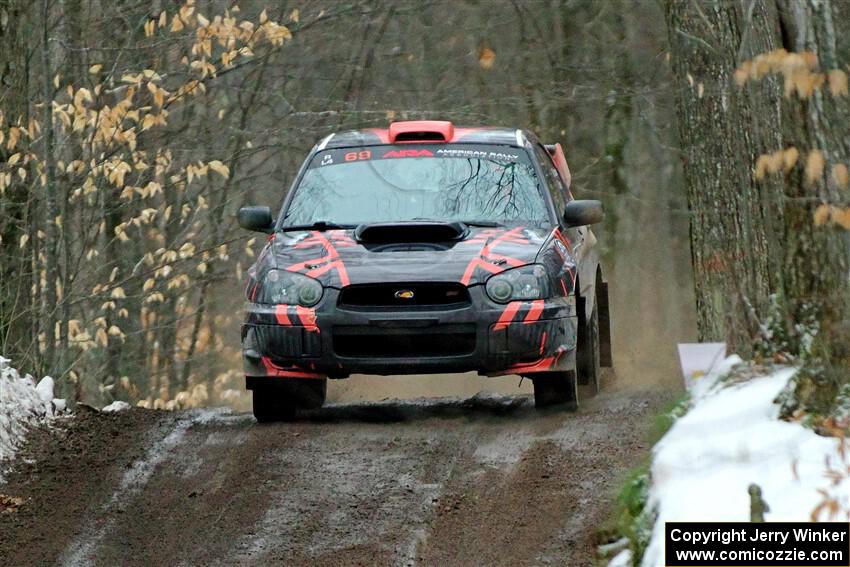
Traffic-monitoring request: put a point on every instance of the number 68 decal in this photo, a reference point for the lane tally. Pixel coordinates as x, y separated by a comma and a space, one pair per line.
356, 156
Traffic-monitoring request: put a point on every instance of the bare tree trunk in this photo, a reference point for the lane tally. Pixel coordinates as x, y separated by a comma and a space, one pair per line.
526, 81
728, 238
72, 15
51, 208
817, 258
752, 240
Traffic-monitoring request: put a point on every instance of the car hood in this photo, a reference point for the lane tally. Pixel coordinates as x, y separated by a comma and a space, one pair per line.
337, 259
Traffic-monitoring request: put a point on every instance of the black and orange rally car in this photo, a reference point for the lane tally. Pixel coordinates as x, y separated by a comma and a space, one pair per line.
425, 248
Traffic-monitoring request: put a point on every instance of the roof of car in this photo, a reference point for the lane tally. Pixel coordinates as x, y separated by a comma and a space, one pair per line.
426, 131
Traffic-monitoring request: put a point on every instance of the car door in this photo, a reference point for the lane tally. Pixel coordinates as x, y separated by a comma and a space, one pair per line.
581, 239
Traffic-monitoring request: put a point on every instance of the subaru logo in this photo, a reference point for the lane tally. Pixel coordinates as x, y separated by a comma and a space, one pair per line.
404, 294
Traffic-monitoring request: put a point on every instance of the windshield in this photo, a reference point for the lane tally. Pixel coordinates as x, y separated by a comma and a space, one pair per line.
443, 182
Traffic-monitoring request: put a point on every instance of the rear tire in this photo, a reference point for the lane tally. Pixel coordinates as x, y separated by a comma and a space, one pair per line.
555, 388
279, 401
589, 366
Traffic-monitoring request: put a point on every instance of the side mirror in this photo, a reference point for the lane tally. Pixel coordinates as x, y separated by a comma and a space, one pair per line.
258, 219
582, 213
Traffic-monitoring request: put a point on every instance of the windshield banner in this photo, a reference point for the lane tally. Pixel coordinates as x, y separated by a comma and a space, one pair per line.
499, 154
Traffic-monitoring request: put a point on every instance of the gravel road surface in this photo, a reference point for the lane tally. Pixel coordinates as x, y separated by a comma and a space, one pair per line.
481, 480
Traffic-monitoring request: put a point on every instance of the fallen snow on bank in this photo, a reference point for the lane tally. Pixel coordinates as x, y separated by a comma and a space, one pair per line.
732, 437
115, 407
22, 404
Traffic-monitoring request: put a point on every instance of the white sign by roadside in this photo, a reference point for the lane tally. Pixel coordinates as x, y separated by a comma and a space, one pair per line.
698, 359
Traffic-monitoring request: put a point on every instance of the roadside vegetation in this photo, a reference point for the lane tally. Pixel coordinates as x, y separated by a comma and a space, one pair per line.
632, 519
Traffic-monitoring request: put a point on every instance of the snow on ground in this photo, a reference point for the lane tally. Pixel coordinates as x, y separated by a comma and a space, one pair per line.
116, 406
22, 404
622, 559
732, 437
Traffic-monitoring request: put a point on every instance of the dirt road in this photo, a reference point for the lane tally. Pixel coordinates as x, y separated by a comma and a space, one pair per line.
476, 481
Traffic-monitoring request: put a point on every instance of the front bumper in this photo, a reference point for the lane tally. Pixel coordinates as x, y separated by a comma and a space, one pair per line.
522, 337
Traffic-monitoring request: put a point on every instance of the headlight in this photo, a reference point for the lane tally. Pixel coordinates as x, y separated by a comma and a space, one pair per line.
282, 286
519, 284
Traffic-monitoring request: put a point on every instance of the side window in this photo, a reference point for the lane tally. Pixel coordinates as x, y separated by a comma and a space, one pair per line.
553, 180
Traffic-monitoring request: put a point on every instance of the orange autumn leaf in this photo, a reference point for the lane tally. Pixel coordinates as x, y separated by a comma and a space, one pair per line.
837, 82
841, 217
840, 175
486, 58
821, 215
814, 167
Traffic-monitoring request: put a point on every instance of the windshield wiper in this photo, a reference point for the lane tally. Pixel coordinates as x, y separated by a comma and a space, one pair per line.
318, 225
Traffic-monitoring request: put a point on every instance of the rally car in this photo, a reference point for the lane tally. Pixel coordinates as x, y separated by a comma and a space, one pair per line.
425, 248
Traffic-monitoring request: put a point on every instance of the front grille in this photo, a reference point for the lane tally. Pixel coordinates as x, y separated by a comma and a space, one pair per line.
436, 294
444, 340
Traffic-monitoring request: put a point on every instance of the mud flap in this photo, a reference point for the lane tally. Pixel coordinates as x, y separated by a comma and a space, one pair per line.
605, 358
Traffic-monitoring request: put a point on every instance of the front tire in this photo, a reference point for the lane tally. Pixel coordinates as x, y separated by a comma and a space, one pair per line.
279, 400
269, 408
556, 388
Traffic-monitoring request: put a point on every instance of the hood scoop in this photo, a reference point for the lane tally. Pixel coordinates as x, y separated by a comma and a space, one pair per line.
410, 231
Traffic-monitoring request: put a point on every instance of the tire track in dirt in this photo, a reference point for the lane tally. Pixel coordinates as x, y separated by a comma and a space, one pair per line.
546, 507
133, 481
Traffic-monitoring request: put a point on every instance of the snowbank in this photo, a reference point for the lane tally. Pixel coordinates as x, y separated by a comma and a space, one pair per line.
622, 559
732, 437
115, 407
22, 404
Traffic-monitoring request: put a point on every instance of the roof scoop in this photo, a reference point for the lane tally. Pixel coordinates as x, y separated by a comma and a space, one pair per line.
410, 231
421, 131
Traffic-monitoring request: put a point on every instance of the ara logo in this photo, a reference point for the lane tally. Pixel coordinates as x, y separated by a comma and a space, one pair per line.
408, 153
